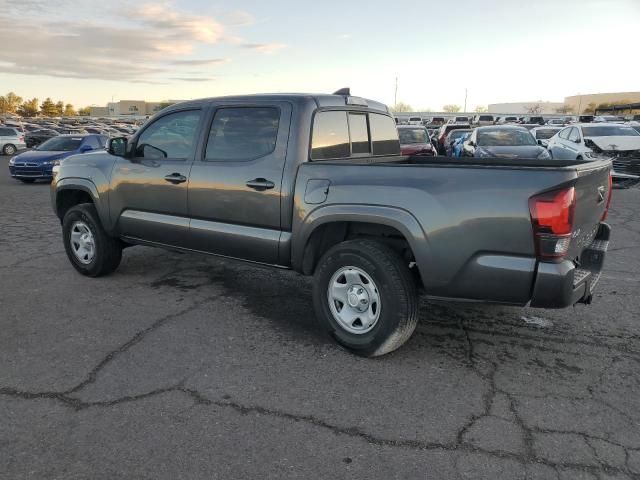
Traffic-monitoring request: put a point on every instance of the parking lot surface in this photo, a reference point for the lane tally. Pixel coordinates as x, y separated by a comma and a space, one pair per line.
185, 366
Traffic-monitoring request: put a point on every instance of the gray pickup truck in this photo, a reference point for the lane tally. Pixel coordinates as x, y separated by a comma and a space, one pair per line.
316, 183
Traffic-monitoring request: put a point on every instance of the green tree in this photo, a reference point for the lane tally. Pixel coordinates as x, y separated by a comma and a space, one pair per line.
85, 112
481, 109
401, 107
9, 103
590, 109
59, 108
450, 108
69, 111
48, 108
29, 108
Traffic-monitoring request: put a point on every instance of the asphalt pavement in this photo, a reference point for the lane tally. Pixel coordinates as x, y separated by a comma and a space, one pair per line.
186, 366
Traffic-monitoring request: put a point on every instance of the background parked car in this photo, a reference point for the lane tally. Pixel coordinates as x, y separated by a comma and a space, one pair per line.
458, 121
453, 136
414, 140
35, 138
608, 119
504, 141
599, 140
556, 121
544, 133
456, 148
443, 132
533, 120
507, 119
39, 162
11, 140
482, 120
415, 121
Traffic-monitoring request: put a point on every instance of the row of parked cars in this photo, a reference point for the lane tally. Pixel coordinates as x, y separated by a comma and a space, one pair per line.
485, 119
575, 141
52, 140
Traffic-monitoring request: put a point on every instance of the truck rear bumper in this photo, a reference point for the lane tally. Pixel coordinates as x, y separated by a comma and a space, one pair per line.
560, 285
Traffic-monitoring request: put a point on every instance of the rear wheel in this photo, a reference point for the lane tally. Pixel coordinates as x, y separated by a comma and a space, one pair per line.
9, 149
365, 296
91, 251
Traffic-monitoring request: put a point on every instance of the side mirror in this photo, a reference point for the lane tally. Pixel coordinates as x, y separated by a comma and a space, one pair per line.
540, 142
577, 140
117, 146
471, 143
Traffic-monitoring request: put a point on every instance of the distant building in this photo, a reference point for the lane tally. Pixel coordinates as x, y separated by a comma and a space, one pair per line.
99, 111
132, 107
580, 102
545, 108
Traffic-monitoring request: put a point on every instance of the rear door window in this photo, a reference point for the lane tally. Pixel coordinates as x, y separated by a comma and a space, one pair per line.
242, 133
574, 135
564, 134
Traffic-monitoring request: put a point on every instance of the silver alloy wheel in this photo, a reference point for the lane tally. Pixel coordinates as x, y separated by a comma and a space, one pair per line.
81, 240
354, 300
9, 150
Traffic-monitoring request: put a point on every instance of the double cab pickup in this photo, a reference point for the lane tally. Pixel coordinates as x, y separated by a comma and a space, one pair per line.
317, 184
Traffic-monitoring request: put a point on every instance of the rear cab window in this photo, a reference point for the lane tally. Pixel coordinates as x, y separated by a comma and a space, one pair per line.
338, 134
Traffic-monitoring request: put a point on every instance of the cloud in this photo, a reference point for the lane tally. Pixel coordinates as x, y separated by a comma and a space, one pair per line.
193, 79
148, 43
239, 18
263, 47
199, 61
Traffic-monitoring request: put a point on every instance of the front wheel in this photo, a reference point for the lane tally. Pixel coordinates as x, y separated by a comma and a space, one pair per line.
365, 296
91, 251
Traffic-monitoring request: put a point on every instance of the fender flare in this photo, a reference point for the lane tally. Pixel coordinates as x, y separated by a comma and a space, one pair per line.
85, 185
398, 218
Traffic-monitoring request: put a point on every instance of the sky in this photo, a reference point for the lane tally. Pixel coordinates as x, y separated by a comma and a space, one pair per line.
88, 52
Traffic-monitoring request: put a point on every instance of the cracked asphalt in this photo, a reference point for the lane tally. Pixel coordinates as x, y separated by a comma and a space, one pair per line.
185, 366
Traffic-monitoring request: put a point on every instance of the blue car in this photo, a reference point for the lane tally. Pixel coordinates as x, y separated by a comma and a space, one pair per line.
38, 163
456, 148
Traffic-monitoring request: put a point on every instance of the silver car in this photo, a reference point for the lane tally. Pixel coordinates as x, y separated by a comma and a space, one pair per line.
11, 140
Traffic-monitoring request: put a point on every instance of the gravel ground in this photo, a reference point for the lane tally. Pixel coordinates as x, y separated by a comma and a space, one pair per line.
185, 366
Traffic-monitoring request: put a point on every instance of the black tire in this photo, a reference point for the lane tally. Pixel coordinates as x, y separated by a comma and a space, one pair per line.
27, 180
108, 250
396, 287
9, 149
579, 157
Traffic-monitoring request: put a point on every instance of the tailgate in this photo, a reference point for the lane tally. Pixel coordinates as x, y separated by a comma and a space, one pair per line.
592, 192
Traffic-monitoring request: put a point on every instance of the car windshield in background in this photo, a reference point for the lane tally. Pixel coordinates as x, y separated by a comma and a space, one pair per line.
504, 138
454, 135
609, 131
546, 133
485, 118
412, 135
61, 144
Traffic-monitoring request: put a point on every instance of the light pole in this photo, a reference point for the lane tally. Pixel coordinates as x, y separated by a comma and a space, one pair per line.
465, 101
395, 95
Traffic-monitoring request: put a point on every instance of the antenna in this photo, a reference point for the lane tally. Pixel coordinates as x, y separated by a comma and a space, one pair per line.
343, 91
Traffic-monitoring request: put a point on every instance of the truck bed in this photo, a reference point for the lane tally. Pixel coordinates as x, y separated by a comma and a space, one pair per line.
473, 216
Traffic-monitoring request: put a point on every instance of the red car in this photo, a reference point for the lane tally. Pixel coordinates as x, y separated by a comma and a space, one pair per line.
414, 140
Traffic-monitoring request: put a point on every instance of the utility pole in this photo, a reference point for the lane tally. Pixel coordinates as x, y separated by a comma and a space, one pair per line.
395, 96
465, 101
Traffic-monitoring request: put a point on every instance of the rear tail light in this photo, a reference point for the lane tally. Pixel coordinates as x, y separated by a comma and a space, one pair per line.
552, 220
609, 193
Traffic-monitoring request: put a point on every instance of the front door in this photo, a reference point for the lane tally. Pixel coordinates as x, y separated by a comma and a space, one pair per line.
236, 183
148, 198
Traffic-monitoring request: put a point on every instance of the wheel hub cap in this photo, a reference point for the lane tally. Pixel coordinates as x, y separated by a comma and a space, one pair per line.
81, 240
354, 300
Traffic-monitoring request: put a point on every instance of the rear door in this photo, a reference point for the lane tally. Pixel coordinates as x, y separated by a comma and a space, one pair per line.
573, 144
148, 198
236, 183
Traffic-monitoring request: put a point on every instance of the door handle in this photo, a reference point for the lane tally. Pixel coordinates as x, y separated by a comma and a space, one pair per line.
175, 178
260, 184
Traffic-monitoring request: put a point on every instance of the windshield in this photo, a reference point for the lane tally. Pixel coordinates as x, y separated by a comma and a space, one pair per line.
462, 119
457, 134
61, 144
609, 131
412, 135
504, 138
415, 119
546, 133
